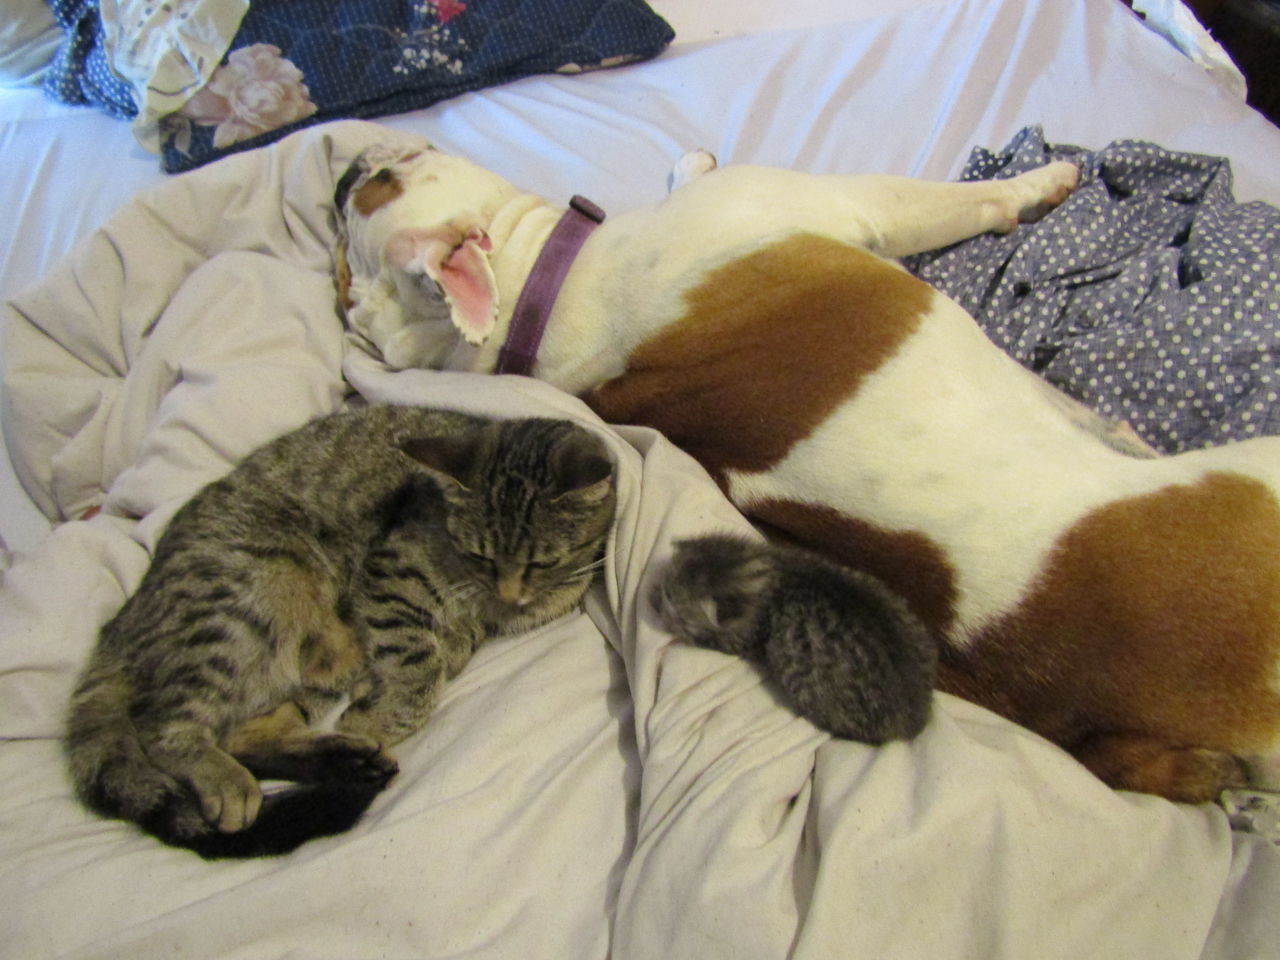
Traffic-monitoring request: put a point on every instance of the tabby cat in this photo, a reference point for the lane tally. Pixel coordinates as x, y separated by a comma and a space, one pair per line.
365, 555
845, 650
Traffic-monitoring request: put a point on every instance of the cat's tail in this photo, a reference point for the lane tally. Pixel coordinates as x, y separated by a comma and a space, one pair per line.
114, 776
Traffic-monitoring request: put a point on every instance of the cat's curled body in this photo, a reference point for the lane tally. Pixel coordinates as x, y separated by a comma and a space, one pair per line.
846, 651
365, 555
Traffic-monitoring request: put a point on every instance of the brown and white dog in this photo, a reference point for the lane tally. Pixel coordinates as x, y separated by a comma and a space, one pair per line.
1123, 605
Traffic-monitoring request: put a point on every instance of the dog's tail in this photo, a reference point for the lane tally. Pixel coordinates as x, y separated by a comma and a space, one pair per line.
114, 776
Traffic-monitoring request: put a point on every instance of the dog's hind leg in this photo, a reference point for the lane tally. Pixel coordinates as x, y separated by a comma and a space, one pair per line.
1150, 765
1116, 434
1253, 811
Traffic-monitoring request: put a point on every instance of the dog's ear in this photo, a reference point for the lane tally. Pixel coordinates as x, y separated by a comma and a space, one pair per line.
456, 263
342, 276
342, 190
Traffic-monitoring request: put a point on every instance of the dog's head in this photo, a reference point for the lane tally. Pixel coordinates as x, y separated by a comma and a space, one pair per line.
413, 252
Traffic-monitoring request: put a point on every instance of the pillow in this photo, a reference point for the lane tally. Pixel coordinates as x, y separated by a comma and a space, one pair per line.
296, 62
28, 37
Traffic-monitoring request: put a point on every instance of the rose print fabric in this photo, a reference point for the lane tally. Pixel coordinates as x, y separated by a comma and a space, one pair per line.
256, 91
239, 75
1151, 294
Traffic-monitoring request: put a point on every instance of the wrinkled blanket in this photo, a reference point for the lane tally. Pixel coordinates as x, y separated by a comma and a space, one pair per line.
595, 788
1150, 295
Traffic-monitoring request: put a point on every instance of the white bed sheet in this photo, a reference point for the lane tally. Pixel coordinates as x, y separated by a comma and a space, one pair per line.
722, 826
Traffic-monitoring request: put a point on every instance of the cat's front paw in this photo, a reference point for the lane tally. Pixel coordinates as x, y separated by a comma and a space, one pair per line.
229, 795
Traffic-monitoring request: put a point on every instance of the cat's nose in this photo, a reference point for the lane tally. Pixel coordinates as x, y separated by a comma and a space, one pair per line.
511, 587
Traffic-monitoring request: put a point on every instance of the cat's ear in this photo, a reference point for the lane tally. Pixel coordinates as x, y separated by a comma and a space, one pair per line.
452, 459
456, 264
584, 471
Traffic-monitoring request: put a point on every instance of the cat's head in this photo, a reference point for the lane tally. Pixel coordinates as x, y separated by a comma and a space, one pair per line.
529, 506
711, 592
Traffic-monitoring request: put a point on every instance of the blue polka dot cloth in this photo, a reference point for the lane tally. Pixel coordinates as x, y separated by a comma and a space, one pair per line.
1150, 294
80, 72
297, 62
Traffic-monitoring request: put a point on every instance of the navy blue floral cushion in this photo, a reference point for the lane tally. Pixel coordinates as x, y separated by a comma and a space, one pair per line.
298, 62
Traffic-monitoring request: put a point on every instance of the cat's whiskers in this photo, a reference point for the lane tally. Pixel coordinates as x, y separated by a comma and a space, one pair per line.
462, 594
588, 569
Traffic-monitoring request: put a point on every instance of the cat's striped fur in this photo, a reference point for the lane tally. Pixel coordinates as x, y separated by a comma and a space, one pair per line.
366, 555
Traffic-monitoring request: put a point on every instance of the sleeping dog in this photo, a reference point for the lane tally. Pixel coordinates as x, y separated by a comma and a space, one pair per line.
1125, 606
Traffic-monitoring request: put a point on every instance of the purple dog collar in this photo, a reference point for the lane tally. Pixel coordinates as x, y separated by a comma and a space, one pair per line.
529, 319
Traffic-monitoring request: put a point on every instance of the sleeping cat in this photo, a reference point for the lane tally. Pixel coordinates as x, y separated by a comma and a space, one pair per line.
366, 555
847, 652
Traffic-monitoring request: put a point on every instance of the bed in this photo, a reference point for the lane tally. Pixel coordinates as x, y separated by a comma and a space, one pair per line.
596, 788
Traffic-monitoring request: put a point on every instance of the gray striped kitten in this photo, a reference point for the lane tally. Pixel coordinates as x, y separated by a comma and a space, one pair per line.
846, 651
366, 555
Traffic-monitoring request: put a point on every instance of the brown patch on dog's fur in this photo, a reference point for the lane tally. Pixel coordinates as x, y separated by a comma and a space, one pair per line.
1148, 645
376, 192
909, 563
769, 346
342, 276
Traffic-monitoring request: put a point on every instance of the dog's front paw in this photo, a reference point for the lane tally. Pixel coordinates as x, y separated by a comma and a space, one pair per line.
691, 166
1042, 190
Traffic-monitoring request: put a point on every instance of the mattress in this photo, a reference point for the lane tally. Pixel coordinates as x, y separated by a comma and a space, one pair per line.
596, 788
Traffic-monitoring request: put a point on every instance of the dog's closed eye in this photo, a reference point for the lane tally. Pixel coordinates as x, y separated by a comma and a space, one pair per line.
379, 190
